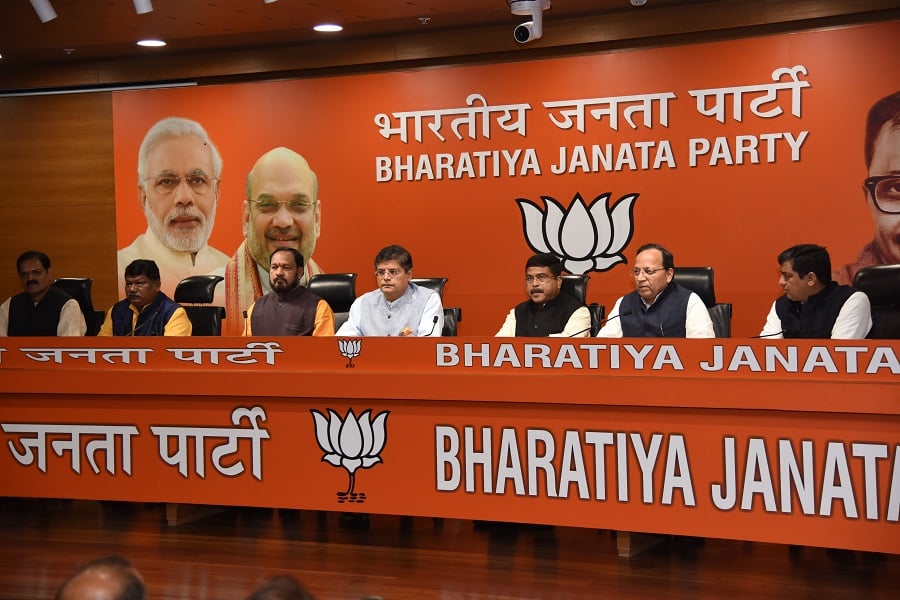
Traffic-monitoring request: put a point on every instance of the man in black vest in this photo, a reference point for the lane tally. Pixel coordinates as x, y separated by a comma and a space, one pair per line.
546, 312
814, 306
145, 311
41, 310
289, 309
657, 307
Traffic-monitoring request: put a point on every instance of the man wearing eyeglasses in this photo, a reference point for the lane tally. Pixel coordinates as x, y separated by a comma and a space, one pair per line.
146, 310
178, 189
881, 188
658, 307
282, 210
398, 307
546, 313
814, 306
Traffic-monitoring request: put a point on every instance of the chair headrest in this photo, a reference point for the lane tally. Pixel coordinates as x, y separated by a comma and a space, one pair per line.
337, 289
435, 284
881, 283
575, 286
79, 288
699, 280
197, 289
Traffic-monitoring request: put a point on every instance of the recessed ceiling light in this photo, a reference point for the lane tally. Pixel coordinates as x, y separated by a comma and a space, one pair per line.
328, 28
151, 43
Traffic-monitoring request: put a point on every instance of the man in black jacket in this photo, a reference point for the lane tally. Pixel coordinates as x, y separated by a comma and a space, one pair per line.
814, 306
546, 312
41, 310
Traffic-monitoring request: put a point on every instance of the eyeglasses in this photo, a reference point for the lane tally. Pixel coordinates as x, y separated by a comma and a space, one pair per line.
646, 271
885, 192
540, 278
166, 183
298, 207
382, 273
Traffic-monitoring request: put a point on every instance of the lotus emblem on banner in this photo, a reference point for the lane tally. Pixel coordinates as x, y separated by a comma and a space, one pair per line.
585, 238
352, 443
349, 349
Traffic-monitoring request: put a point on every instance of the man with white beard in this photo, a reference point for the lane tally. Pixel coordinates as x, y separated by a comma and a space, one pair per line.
178, 189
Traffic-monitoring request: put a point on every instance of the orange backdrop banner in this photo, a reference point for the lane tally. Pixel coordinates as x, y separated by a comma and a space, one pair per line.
771, 441
725, 152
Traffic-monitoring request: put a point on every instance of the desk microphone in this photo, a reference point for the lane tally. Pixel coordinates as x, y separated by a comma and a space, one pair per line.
134, 330
754, 337
624, 313
433, 325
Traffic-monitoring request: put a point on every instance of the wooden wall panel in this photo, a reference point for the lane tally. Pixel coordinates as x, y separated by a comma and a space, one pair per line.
57, 188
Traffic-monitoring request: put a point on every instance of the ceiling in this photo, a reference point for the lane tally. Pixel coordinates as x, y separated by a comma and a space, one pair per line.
92, 43
108, 29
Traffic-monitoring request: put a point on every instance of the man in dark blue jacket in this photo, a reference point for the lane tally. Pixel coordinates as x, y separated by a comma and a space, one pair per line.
657, 307
814, 306
145, 310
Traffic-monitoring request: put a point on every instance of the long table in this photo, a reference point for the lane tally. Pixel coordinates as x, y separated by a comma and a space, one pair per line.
782, 441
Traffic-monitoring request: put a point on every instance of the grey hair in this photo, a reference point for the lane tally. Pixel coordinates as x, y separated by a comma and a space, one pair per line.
174, 127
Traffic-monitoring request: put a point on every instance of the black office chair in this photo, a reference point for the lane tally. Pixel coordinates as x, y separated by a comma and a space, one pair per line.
194, 291
881, 283
80, 289
435, 284
576, 286
452, 315
338, 290
700, 281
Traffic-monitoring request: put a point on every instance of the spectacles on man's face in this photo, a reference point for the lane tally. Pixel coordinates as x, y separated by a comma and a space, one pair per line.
885, 192
167, 182
540, 278
646, 271
383, 273
268, 206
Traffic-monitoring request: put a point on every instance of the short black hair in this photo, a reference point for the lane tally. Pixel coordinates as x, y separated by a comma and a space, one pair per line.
808, 258
30, 255
667, 259
395, 252
885, 110
298, 258
551, 261
143, 266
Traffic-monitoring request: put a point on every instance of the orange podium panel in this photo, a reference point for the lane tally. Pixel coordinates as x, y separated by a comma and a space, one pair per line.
770, 440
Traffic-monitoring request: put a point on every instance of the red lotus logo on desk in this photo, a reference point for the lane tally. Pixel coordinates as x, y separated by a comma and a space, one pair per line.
352, 443
350, 349
584, 238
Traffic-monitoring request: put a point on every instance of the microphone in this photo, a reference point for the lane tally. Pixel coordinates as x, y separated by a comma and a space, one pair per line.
623, 313
753, 337
433, 325
134, 330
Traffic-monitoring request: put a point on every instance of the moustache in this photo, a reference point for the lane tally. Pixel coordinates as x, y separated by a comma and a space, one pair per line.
185, 212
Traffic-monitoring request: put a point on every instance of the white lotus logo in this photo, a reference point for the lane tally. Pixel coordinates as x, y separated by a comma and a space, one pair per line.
584, 238
352, 443
349, 349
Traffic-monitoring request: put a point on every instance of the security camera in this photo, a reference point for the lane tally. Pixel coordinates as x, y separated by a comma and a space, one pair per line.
525, 32
529, 30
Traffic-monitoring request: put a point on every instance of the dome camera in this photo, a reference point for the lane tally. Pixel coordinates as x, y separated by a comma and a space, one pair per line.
529, 30
525, 32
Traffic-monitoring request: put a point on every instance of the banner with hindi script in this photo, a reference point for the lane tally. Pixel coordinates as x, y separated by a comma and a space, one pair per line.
726, 153
777, 441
